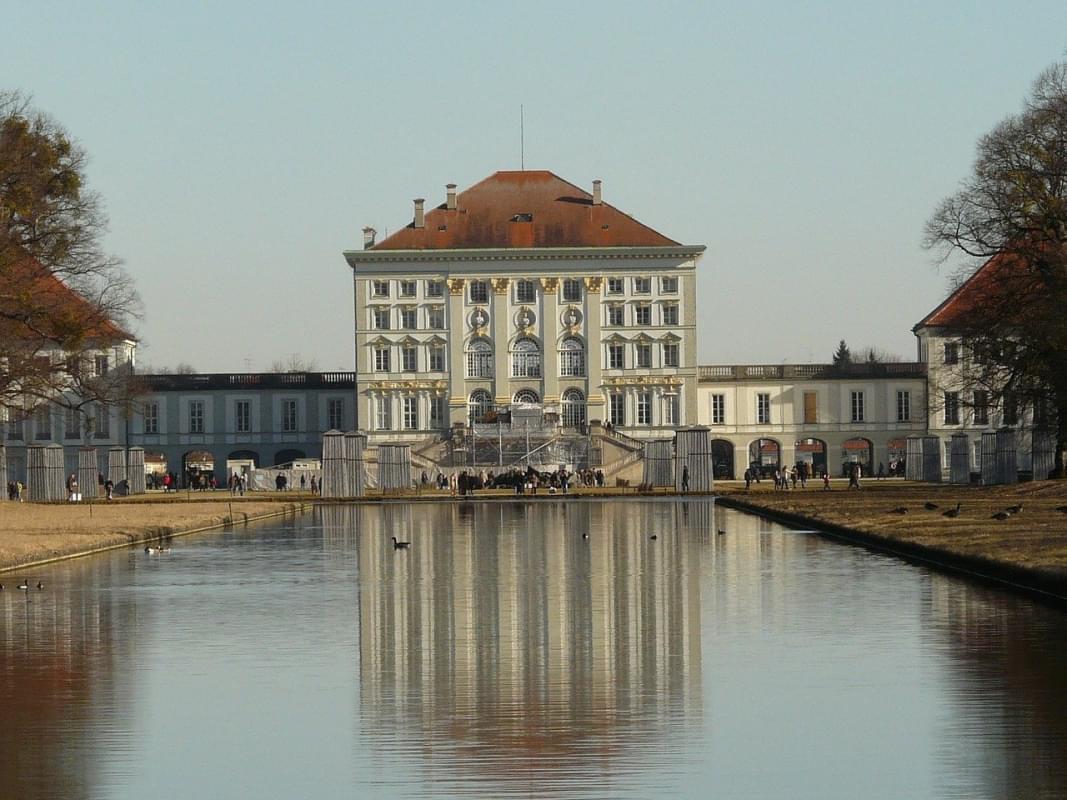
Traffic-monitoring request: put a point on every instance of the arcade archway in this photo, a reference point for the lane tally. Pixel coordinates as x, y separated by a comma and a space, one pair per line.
722, 459
857, 451
765, 455
813, 453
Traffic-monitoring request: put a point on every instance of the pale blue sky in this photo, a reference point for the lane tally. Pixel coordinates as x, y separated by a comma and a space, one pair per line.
240, 147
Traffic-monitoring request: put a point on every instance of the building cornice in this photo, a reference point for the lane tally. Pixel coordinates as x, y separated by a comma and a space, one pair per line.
378, 258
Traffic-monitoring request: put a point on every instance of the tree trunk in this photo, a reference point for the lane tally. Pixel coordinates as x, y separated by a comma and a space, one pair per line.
1061, 437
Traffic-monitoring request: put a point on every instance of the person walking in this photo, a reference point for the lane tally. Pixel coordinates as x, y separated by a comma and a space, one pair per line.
825, 481
685, 479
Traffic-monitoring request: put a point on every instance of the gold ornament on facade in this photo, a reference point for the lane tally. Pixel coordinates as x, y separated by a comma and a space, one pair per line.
593, 284
550, 284
455, 285
500, 285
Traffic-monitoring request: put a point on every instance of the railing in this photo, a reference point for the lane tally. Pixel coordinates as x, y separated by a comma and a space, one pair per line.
258, 380
734, 372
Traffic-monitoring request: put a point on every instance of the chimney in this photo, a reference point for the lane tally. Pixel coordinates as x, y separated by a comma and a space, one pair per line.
420, 216
596, 193
450, 188
368, 237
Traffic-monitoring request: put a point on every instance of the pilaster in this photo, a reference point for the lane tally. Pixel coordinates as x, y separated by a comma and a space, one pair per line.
596, 400
550, 330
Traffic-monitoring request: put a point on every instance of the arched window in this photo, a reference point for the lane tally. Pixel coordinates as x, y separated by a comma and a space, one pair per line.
573, 402
526, 359
572, 358
480, 359
527, 396
481, 403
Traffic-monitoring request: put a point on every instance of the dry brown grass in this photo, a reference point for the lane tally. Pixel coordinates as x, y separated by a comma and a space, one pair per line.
1035, 538
31, 532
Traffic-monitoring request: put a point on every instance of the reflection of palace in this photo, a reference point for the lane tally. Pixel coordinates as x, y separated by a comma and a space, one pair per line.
515, 630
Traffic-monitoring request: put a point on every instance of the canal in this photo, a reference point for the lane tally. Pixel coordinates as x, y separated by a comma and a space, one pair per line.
504, 654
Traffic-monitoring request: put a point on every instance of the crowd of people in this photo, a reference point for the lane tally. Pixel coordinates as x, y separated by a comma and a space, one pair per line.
527, 481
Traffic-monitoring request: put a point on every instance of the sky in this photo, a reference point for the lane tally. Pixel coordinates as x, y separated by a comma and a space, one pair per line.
240, 148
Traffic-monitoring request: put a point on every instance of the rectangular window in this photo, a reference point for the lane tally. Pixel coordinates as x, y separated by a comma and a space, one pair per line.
480, 363
335, 413
670, 409
1011, 409
670, 314
435, 289
525, 292
435, 318
526, 363
903, 406
981, 407
479, 292
379, 288
670, 355
381, 318
411, 413
409, 359
617, 408
644, 408
616, 358
644, 355
952, 408
572, 291
952, 353
643, 316
811, 408
763, 409
381, 359
718, 409
101, 365
668, 285
242, 416
288, 416
72, 428
437, 412
615, 286
437, 358
408, 288
857, 407
409, 318
196, 417
642, 285
103, 421
616, 316
151, 418
382, 418
14, 428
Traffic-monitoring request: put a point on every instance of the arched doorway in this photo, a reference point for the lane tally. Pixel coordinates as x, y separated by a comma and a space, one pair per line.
813, 453
722, 459
765, 455
897, 451
573, 402
288, 456
857, 451
198, 468
241, 462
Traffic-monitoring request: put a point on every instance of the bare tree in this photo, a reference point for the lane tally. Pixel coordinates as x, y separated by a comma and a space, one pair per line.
62, 298
1008, 223
295, 363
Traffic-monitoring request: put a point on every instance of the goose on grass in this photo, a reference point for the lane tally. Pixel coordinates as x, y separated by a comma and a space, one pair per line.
400, 545
953, 512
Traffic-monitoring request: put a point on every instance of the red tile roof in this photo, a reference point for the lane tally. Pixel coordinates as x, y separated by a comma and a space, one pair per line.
988, 283
532, 208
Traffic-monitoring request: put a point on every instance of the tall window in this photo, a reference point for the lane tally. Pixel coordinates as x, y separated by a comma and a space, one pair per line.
617, 408
73, 428
101, 365
573, 402
1011, 409
437, 412
857, 407
526, 359
479, 405
670, 314
903, 406
335, 413
407, 288
763, 409
643, 351
435, 289
981, 407
242, 416
379, 288
670, 409
616, 316
409, 318
381, 359
615, 286
643, 315
479, 292
103, 422
14, 427
480, 359
436, 358
952, 408
196, 417
381, 318
718, 409
151, 418
409, 358
644, 408
616, 356
572, 290
952, 353
288, 416
642, 285
435, 318
383, 418
668, 285
571, 358
525, 292
670, 354
411, 413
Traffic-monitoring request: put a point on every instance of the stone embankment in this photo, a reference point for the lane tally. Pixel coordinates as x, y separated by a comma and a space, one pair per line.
989, 537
